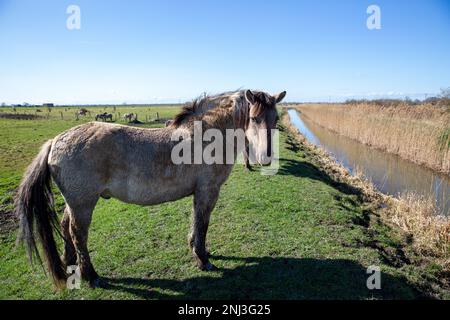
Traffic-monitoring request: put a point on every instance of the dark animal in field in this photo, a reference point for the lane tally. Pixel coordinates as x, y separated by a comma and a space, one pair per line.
134, 165
104, 117
82, 112
129, 117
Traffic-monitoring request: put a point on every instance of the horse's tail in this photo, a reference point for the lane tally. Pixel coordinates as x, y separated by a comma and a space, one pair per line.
34, 206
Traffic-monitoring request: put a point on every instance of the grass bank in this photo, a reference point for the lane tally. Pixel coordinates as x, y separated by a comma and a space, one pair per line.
301, 234
419, 133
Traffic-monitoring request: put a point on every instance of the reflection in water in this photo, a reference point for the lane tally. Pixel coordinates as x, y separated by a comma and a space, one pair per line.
389, 173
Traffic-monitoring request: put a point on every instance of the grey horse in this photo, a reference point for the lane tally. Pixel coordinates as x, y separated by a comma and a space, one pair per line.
134, 165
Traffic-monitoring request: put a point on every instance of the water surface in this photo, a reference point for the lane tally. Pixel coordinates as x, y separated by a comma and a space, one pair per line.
389, 173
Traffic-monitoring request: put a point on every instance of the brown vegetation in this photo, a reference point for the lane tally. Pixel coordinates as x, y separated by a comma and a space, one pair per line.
419, 133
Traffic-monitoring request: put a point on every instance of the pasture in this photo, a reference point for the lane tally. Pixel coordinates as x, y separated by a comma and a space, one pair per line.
296, 235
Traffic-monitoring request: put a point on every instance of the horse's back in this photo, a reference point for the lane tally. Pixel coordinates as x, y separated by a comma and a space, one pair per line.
128, 163
96, 141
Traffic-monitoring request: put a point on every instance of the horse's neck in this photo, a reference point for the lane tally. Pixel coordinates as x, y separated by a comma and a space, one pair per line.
224, 119
234, 114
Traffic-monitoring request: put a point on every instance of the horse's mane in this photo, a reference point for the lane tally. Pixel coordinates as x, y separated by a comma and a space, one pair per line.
202, 105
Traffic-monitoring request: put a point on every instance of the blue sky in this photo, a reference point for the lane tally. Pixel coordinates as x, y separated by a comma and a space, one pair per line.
171, 51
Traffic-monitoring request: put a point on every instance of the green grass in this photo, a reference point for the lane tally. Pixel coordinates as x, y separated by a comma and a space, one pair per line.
295, 235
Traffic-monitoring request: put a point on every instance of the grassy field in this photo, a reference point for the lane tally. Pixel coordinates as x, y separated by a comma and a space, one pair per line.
296, 235
419, 133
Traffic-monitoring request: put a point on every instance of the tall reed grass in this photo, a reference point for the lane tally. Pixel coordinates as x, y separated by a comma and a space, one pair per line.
419, 133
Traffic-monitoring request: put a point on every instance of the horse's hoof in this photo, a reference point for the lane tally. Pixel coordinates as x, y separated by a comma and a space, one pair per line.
96, 283
208, 267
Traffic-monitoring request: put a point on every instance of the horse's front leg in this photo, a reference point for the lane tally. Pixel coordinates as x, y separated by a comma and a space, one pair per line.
246, 155
204, 201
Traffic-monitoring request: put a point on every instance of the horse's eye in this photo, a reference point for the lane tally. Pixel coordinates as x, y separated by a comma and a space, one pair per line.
255, 119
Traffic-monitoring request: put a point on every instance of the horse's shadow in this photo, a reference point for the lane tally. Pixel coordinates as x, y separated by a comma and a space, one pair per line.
307, 170
271, 278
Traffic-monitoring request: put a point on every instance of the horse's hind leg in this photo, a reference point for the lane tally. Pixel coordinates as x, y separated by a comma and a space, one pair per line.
204, 202
80, 221
69, 257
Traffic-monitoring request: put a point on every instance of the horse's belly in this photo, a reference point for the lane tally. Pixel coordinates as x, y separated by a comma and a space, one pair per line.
149, 193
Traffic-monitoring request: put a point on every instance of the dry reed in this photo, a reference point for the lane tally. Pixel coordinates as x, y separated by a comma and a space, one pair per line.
419, 133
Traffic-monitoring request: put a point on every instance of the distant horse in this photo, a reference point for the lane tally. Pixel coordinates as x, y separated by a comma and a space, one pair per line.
135, 165
82, 112
129, 117
104, 116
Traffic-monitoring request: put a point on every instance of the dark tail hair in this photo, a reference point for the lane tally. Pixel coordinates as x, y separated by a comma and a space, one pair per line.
34, 206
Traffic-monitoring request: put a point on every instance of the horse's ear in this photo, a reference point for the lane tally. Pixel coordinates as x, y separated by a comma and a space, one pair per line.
250, 96
279, 97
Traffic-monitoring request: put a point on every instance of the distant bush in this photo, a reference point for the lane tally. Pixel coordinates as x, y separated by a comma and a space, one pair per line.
439, 101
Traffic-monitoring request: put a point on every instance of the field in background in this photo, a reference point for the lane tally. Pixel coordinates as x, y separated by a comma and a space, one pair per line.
146, 113
419, 133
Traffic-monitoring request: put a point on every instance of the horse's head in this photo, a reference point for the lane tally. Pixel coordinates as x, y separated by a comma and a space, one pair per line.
262, 120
